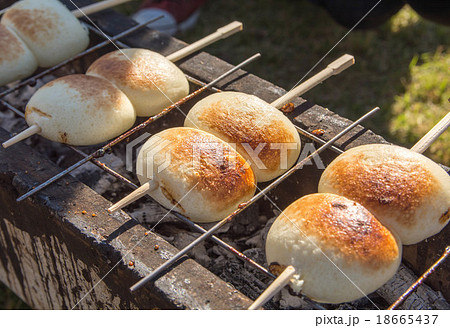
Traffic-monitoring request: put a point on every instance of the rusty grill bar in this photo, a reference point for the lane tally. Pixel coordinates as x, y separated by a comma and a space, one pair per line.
262, 193
99, 153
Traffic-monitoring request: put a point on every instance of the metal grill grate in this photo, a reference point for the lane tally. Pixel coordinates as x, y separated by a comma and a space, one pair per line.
94, 157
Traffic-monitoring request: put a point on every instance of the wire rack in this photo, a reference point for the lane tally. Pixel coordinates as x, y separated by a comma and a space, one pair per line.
94, 158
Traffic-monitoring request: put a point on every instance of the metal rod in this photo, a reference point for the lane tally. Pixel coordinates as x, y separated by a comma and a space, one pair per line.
100, 152
226, 246
127, 181
123, 45
316, 139
105, 36
243, 206
419, 281
81, 54
12, 108
182, 218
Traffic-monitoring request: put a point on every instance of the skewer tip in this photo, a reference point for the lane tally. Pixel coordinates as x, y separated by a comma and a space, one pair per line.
32, 130
342, 63
112, 209
135, 195
230, 29
282, 280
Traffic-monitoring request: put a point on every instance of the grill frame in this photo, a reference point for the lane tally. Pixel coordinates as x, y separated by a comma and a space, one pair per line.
306, 115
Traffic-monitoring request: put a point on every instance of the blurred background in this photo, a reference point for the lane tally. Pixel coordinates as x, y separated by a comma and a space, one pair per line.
401, 66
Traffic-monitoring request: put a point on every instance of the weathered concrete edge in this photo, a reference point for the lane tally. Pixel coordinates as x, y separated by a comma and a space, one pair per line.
98, 241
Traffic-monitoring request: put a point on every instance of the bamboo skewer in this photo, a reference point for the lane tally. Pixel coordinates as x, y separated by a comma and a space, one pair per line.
432, 135
88, 10
135, 195
156, 273
221, 33
278, 284
336, 67
32, 130
96, 7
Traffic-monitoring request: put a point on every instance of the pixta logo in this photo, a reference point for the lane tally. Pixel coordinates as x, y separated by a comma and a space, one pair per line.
153, 155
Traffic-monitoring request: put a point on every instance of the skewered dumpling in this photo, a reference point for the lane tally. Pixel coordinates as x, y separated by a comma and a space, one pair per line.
196, 174
263, 135
337, 247
80, 110
150, 81
406, 191
16, 60
48, 28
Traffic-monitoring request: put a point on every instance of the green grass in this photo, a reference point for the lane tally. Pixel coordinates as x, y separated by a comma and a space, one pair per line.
293, 35
424, 102
402, 66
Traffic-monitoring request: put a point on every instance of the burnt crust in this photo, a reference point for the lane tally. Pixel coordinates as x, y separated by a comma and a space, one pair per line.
35, 24
445, 217
346, 226
32, 109
63, 137
400, 184
245, 127
169, 197
139, 73
221, 177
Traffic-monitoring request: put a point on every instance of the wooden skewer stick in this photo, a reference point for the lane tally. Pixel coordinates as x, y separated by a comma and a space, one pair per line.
221, 33
278, 284
32, 130
91, 9
432, 135
334, 68
96, 7
134, 196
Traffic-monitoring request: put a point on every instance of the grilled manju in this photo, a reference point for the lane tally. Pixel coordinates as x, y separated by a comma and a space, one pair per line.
48, 28
406, 191
263, 135
80, 110
16, 60
150, 81
337, 247
195, 173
